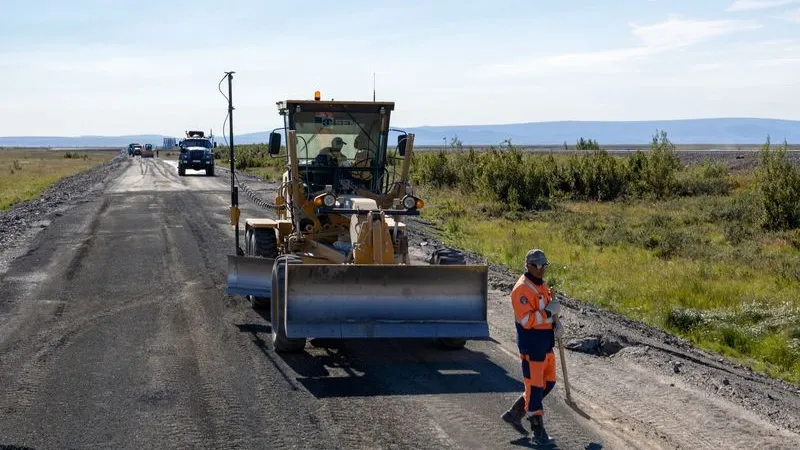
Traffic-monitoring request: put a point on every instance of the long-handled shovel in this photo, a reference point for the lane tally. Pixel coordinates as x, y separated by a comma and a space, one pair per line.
563, 364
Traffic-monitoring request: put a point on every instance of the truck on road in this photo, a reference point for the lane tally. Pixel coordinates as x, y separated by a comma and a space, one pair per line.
197, 153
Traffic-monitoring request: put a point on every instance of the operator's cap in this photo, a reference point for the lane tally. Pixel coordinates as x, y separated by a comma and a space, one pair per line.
337, 141
536, 256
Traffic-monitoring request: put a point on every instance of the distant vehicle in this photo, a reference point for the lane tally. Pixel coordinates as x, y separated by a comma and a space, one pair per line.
135, 149
148, 151
197, 153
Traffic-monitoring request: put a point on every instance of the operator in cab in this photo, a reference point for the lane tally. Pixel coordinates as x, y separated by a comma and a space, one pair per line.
332, 155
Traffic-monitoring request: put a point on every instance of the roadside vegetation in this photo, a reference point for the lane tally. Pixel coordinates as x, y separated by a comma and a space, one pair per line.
710, 255
254, 159
26, 173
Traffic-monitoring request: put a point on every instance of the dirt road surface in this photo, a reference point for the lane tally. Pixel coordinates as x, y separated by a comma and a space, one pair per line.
115, 332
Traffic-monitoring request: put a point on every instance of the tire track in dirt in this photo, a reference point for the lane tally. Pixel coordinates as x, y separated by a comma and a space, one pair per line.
170, 367
232, 414
45, 346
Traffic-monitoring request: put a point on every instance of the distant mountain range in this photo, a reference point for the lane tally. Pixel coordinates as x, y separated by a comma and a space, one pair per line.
690, 131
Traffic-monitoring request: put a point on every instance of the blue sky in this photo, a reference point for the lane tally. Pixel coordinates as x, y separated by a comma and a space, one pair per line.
128, 67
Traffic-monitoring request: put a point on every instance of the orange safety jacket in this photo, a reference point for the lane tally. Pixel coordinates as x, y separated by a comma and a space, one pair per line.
530, 297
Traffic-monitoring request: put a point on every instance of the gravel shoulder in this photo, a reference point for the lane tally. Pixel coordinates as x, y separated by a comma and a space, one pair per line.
24, 220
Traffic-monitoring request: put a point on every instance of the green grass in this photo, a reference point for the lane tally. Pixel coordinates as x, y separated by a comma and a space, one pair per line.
683, 264
268, 173
26, 173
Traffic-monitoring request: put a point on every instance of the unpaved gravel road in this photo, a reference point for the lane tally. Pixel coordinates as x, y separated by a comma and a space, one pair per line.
115, 332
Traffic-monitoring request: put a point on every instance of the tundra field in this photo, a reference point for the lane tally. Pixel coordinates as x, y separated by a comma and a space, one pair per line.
26, 173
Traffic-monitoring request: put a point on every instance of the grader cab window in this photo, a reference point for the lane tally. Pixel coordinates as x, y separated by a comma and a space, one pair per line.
340, 148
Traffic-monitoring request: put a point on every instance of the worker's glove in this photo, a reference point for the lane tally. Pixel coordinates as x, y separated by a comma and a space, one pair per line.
553, 308
558, 330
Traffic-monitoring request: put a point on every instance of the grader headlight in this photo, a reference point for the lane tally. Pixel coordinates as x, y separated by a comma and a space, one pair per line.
410, 202
326, 199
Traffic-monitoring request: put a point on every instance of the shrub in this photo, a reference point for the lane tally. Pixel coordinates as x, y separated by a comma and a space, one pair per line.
684, 319
251, 155
596, 176
435, 170
707, 178
779, 183
583, 144
655, 172
741, 217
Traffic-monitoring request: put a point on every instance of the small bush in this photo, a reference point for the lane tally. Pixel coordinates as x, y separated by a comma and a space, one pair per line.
596, 176
779, 183
737, 339
437, 170
684, 319
741, 217
707, 178
583, 144
655, 173
251, 156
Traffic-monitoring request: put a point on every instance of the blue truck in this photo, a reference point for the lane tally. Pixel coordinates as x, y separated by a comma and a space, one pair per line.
197, 153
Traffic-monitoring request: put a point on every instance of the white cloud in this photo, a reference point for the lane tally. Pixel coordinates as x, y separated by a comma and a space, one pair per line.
706, 67
773, 62
676, 32
791, 16
671, 34
755, 5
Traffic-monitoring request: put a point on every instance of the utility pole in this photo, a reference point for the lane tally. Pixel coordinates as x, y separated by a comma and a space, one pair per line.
234, 188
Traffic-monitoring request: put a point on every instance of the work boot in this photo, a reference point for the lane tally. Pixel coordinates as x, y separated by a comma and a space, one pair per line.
515, 414
540, 435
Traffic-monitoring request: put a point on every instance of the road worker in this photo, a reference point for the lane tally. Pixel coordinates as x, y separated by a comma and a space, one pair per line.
333, 155
534, 307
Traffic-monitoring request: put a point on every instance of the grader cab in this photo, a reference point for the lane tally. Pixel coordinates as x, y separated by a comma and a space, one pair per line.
335, 262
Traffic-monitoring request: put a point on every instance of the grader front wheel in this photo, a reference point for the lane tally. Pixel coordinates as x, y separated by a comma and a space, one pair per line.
280, 342
449, 257
263, 243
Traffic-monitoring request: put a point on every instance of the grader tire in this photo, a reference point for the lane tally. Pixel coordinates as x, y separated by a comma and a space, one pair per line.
262, 243
280, 342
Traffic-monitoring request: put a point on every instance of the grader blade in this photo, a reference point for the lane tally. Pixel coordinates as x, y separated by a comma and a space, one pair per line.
249, 276
385, 301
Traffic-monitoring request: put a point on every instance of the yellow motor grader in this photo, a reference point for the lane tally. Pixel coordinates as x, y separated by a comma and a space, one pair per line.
335, 263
